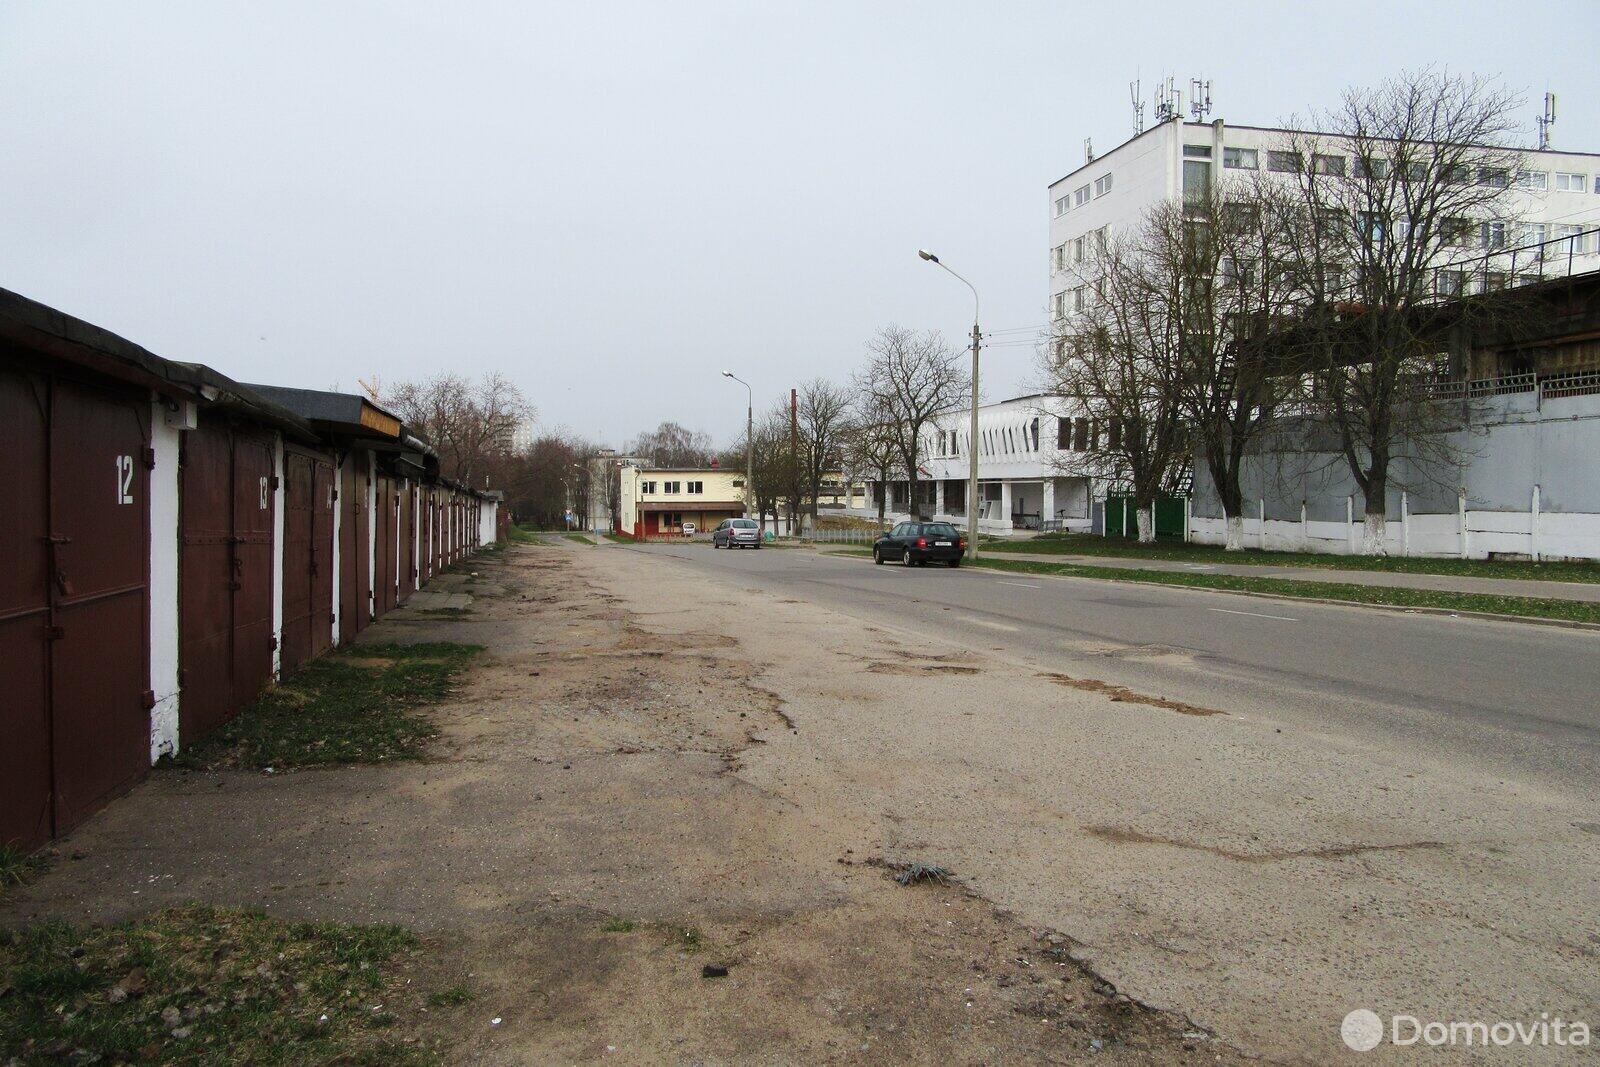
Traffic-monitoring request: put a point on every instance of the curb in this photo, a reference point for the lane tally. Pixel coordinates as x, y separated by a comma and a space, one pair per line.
1535, 620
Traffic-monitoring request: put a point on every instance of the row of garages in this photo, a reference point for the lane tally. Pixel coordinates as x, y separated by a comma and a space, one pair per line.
238, 532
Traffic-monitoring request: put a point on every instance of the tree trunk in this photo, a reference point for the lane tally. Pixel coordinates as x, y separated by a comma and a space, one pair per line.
1235, 534
1375, 525
1147, 523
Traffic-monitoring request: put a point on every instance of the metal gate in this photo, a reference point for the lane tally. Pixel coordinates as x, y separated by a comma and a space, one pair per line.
355, 610
407, 527
225, 573
74, 602
307, 557
383, 553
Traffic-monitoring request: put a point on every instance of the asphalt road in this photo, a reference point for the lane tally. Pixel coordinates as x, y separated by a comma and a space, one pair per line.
1512, 699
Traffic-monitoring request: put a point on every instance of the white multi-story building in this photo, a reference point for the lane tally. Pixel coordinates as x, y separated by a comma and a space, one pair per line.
1035, 468
1556, 195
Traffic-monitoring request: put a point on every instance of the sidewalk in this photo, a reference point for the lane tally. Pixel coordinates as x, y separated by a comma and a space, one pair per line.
1588, 593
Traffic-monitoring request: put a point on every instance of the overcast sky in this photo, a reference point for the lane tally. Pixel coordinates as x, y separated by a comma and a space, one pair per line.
611, 203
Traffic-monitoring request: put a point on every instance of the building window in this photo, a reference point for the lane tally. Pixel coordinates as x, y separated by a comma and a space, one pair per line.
1063, 205
1060, 305
647, 487
1058, 257
1102, 238
1571, 183
1533, 179
1456, 231
1240, 159
1372, 169
1102, 185
1080, 249
1495, 177
1080, 435
738, 483
671, 487
1079, 298
1033, 431
697, 487
1285, 162
1197, 151
1329, 165
1063, 434
1080, 196
1196, 179
1451, 283
1574, 240
1493, 235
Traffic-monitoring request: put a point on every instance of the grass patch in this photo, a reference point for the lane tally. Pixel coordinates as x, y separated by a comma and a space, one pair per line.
621, 539
579, 538
445, 613
1525, 607
355, 706
452, 997
197, 985
1090, 545
618, 926
689, 938
522, 536
19, 868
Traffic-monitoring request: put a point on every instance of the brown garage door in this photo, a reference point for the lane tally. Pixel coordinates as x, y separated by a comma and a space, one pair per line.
74, 649
307, 557
407, 526
383, 582
355, 610
225, 573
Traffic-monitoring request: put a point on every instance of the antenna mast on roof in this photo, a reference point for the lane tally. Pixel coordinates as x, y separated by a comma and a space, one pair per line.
1199, 99
1138, 107
1547, 120
1088, 150
1168, 102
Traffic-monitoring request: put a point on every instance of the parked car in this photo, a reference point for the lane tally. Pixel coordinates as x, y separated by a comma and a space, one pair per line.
736, 533
919, 543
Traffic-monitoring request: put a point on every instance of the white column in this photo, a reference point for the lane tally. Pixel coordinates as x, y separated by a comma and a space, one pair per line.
165, 440
1047, 505
1533, 526
1461, 521
1405, 524
1005, 504
277, 557
938, 497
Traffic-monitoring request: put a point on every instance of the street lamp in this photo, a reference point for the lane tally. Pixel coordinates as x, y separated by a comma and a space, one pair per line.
749, 439
972, 442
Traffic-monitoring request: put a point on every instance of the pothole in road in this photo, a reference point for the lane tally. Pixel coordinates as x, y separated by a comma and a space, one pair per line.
1122, 694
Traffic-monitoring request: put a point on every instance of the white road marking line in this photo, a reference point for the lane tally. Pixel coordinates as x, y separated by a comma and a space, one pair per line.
1025, 585
995, 625
1254, 614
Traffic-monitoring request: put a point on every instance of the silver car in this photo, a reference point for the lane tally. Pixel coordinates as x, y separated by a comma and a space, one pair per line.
736, 533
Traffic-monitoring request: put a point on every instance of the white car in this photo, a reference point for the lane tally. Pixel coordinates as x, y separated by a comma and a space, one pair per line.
736, 533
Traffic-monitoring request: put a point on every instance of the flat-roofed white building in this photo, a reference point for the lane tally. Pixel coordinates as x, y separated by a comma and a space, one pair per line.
1555, 196
1035, 468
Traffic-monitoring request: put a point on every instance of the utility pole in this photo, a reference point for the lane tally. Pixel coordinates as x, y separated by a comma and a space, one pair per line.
972, 443
749, 442
794, 455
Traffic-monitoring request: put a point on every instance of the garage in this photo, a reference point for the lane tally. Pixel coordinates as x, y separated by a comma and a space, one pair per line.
355, 610
307, 556
225, 570
74, 601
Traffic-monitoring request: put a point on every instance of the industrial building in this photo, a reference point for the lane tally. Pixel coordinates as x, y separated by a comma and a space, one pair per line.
242, 531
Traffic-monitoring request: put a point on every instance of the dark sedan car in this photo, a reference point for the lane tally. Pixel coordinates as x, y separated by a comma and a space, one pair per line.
919, 543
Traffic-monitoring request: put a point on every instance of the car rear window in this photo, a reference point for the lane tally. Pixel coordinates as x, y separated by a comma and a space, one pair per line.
938, 529
744, 524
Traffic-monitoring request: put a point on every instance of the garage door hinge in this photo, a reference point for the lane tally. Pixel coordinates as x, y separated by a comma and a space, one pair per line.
332, 618
149, 699
272, 482
149, 459
235, 586
272, 643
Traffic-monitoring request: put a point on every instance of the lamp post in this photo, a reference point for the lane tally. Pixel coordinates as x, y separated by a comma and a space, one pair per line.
749, 440
972, 439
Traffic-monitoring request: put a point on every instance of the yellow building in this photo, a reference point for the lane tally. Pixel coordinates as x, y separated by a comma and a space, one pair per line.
659, 502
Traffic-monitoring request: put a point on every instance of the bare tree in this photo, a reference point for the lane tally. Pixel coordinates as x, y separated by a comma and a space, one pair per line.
1406, 177
1225, 257
910, 377
467, 422
823, 413
868, 447
673, 445
1118, 360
